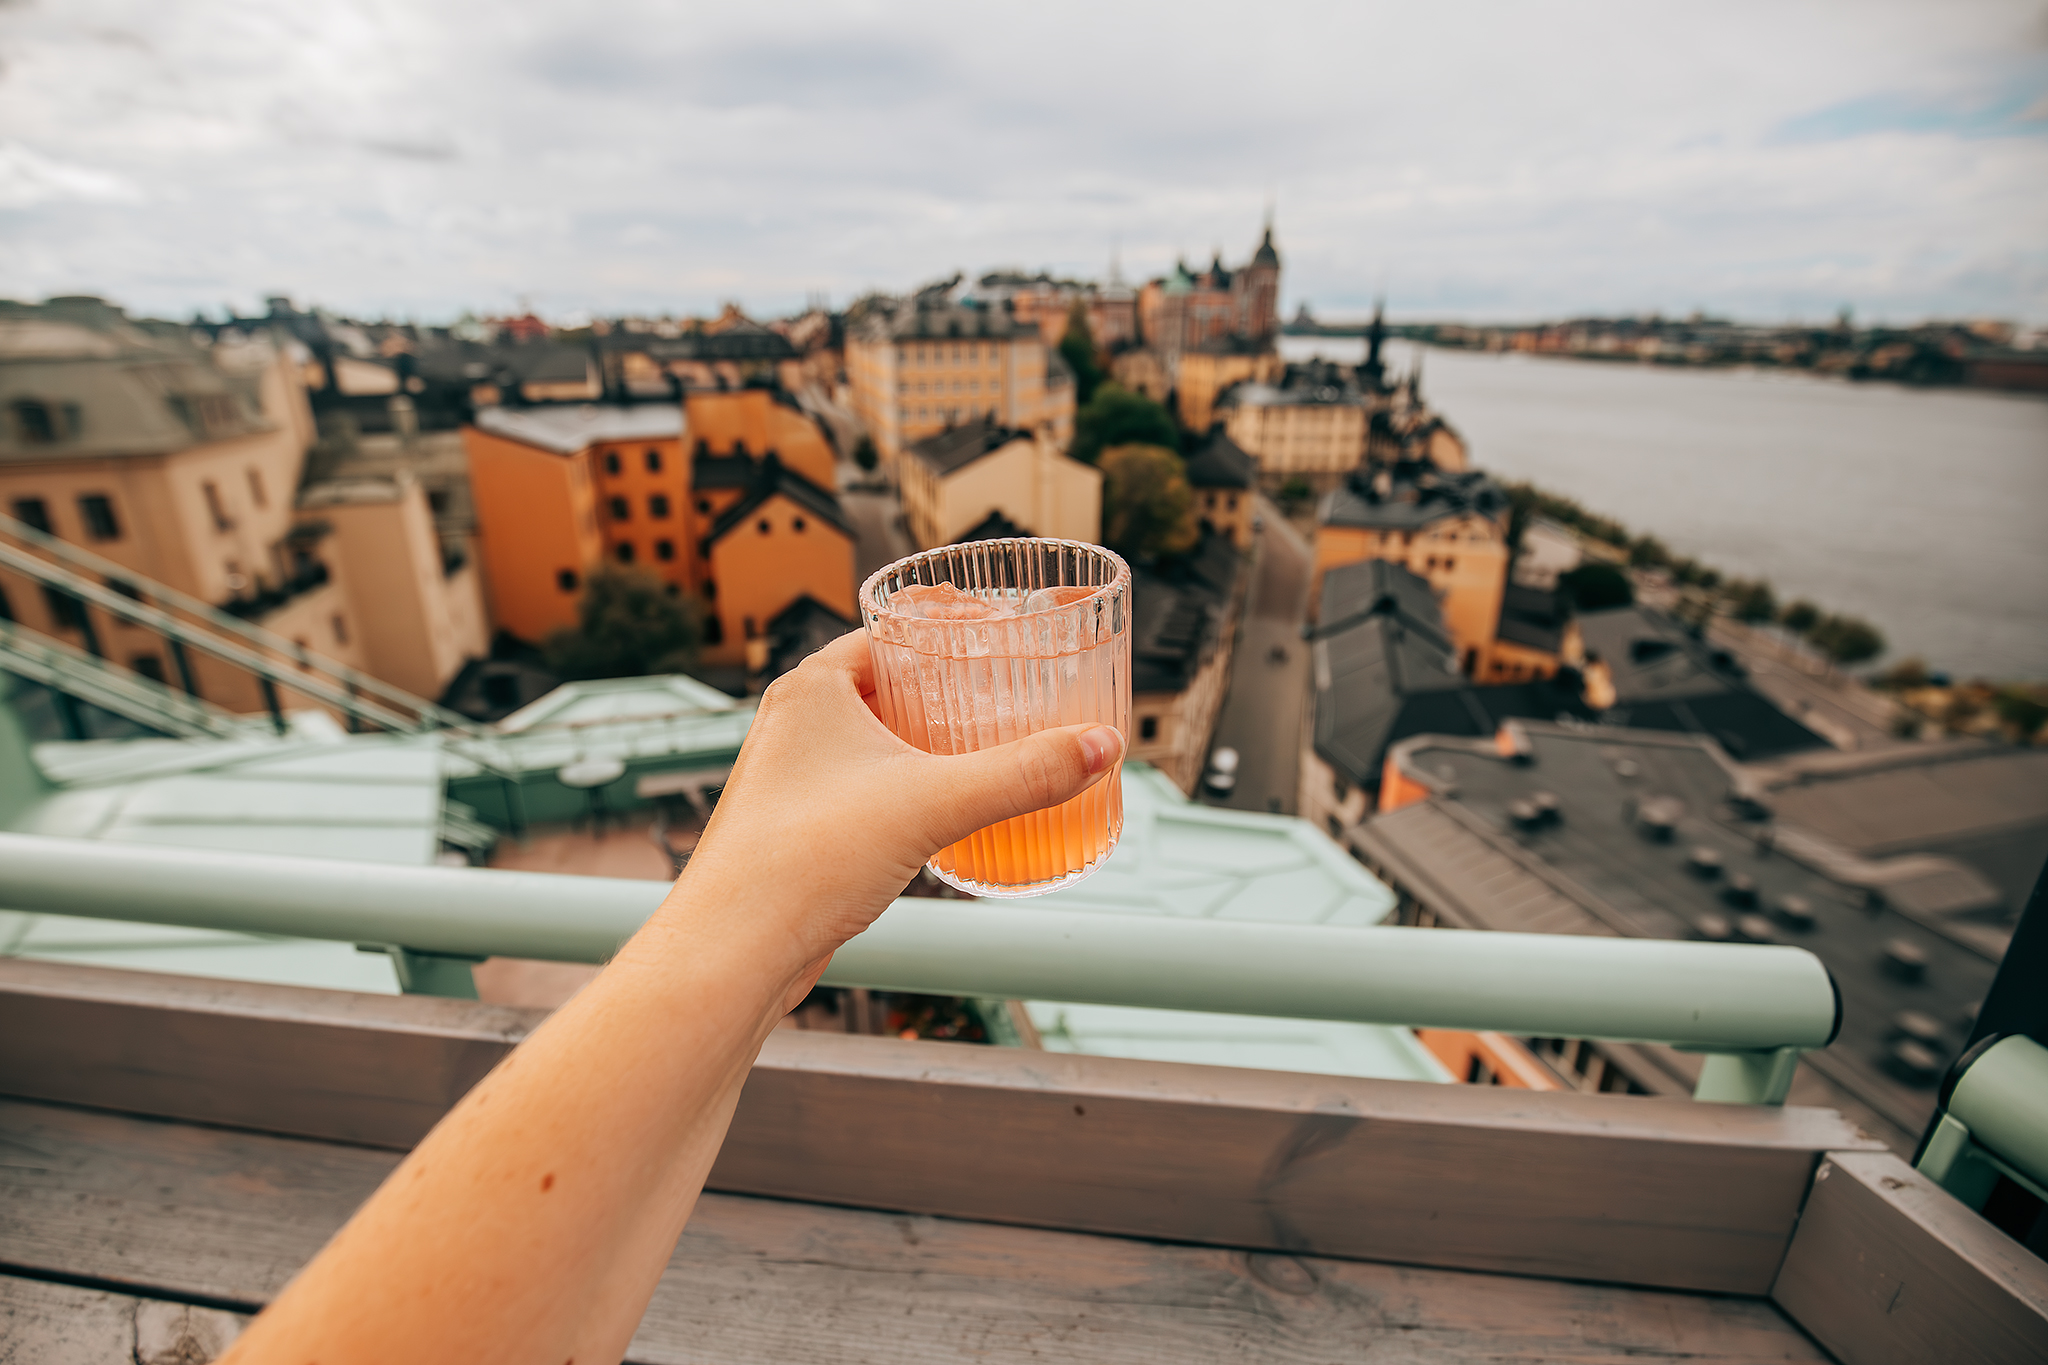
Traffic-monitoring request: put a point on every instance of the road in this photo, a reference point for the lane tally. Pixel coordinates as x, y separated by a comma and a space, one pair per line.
878, 536
1262, 716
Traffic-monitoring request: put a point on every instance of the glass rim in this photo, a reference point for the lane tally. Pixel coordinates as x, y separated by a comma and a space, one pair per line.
870, 598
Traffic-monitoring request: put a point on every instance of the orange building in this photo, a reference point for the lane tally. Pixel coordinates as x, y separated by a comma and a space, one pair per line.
665, 488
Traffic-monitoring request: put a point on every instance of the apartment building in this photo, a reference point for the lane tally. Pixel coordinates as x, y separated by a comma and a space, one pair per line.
725, 498
1186, 309
1310, 425
182, 462
958, 479
918, 366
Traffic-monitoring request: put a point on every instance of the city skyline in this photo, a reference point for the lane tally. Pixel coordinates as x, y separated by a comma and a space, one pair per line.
1766, 164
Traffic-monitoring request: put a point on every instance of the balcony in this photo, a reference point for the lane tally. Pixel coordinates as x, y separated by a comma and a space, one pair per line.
309, 576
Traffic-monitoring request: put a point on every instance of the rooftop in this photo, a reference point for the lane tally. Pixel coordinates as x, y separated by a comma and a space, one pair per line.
955, 448
1219, 462
1381, 501
1662, 836
771, 478
1177, 612
569, 427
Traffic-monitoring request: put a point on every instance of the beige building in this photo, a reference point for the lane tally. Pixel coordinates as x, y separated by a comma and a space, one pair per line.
1206, 372
922, 365
956, 480
1141, 371
1448, 530
1183, 628
1312, 425
182, 464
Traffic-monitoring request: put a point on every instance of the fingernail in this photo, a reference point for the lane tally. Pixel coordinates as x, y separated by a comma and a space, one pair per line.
1102, 745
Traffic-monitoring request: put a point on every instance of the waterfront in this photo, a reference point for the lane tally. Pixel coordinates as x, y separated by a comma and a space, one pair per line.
1917, 509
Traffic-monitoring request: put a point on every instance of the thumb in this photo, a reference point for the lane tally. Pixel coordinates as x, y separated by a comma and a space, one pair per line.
966, 792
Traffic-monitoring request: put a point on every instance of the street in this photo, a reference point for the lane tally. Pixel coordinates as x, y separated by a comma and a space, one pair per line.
1262, 716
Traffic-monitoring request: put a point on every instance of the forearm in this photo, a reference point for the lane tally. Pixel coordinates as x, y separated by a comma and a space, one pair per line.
534, 1221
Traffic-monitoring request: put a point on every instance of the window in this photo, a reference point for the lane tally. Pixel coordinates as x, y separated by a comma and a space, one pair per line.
67, 611
654, 462
125, 588
714, 631
657, 507
624, 552
216, 508
256, 494
611, 462
796, 524
703, 507
34, 511
1336, 829
565, 579
36, 423
1148, 727
710, 590
664, 550
621, 510
6, 606
149, 666
340, 627
1340, 788
98, 511
762, 526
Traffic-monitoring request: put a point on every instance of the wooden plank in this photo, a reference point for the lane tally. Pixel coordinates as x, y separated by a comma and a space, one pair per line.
171, 1209
59, 1324
1889, 1269
1633, 1190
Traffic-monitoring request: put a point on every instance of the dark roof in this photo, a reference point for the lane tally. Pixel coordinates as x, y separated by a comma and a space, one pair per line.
1985, 805
1177, 612
994, 526
1667, 679
800, 630
749, 342
928, 317
1534, 617
1266, 254
771, 477
1484, 871
1219, 462
1385, 668
720, 471
1409, 503
957, 447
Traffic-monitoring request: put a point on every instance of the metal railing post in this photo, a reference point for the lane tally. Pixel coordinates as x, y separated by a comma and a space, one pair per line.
1747, 1077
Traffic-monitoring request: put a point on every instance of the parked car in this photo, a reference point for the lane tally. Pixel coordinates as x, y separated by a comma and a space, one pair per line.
1222, 774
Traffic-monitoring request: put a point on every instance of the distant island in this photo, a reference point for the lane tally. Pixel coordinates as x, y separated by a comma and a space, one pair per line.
1972, 354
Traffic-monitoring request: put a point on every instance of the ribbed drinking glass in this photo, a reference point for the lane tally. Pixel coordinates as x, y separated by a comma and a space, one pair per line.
979, 644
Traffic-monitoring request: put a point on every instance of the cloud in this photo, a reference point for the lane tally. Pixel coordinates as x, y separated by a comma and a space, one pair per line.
28, 178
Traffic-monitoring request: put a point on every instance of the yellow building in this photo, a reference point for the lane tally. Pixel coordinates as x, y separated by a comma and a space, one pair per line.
922, 365
183, 465
1226, 484
1207, 371
956, 480
1311, 425
1448, 530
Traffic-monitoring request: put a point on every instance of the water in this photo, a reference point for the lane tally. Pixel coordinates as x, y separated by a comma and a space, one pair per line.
1919, 510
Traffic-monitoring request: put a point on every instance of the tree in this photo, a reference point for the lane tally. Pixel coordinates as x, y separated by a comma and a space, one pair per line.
1117, 417
1800, 617
1597, 585
1148, 509
1753, 603
1077, 348
864, 454
1296, 489
1847, 640
1648, 552
627, 626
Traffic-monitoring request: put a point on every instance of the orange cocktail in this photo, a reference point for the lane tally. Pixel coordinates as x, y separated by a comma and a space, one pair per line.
979, 644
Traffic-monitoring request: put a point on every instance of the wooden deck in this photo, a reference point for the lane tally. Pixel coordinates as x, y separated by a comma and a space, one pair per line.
174, 1150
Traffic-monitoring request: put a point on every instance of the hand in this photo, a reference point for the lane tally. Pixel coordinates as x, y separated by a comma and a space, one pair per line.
827, 815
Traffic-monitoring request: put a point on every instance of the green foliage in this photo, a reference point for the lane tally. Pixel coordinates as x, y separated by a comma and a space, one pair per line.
1148, 509
1800, 616
1117, 417
1648, 552
865, 455
1296, 489
1847, 640
1595, 585
1526, 500
628, 626
2023, 709
1077, 348
1753, 603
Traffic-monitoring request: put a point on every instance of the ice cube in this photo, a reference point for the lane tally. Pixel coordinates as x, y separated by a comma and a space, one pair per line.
940, 602
1049, 599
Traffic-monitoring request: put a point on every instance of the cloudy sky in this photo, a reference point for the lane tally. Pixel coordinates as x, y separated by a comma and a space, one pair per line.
1494, 160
